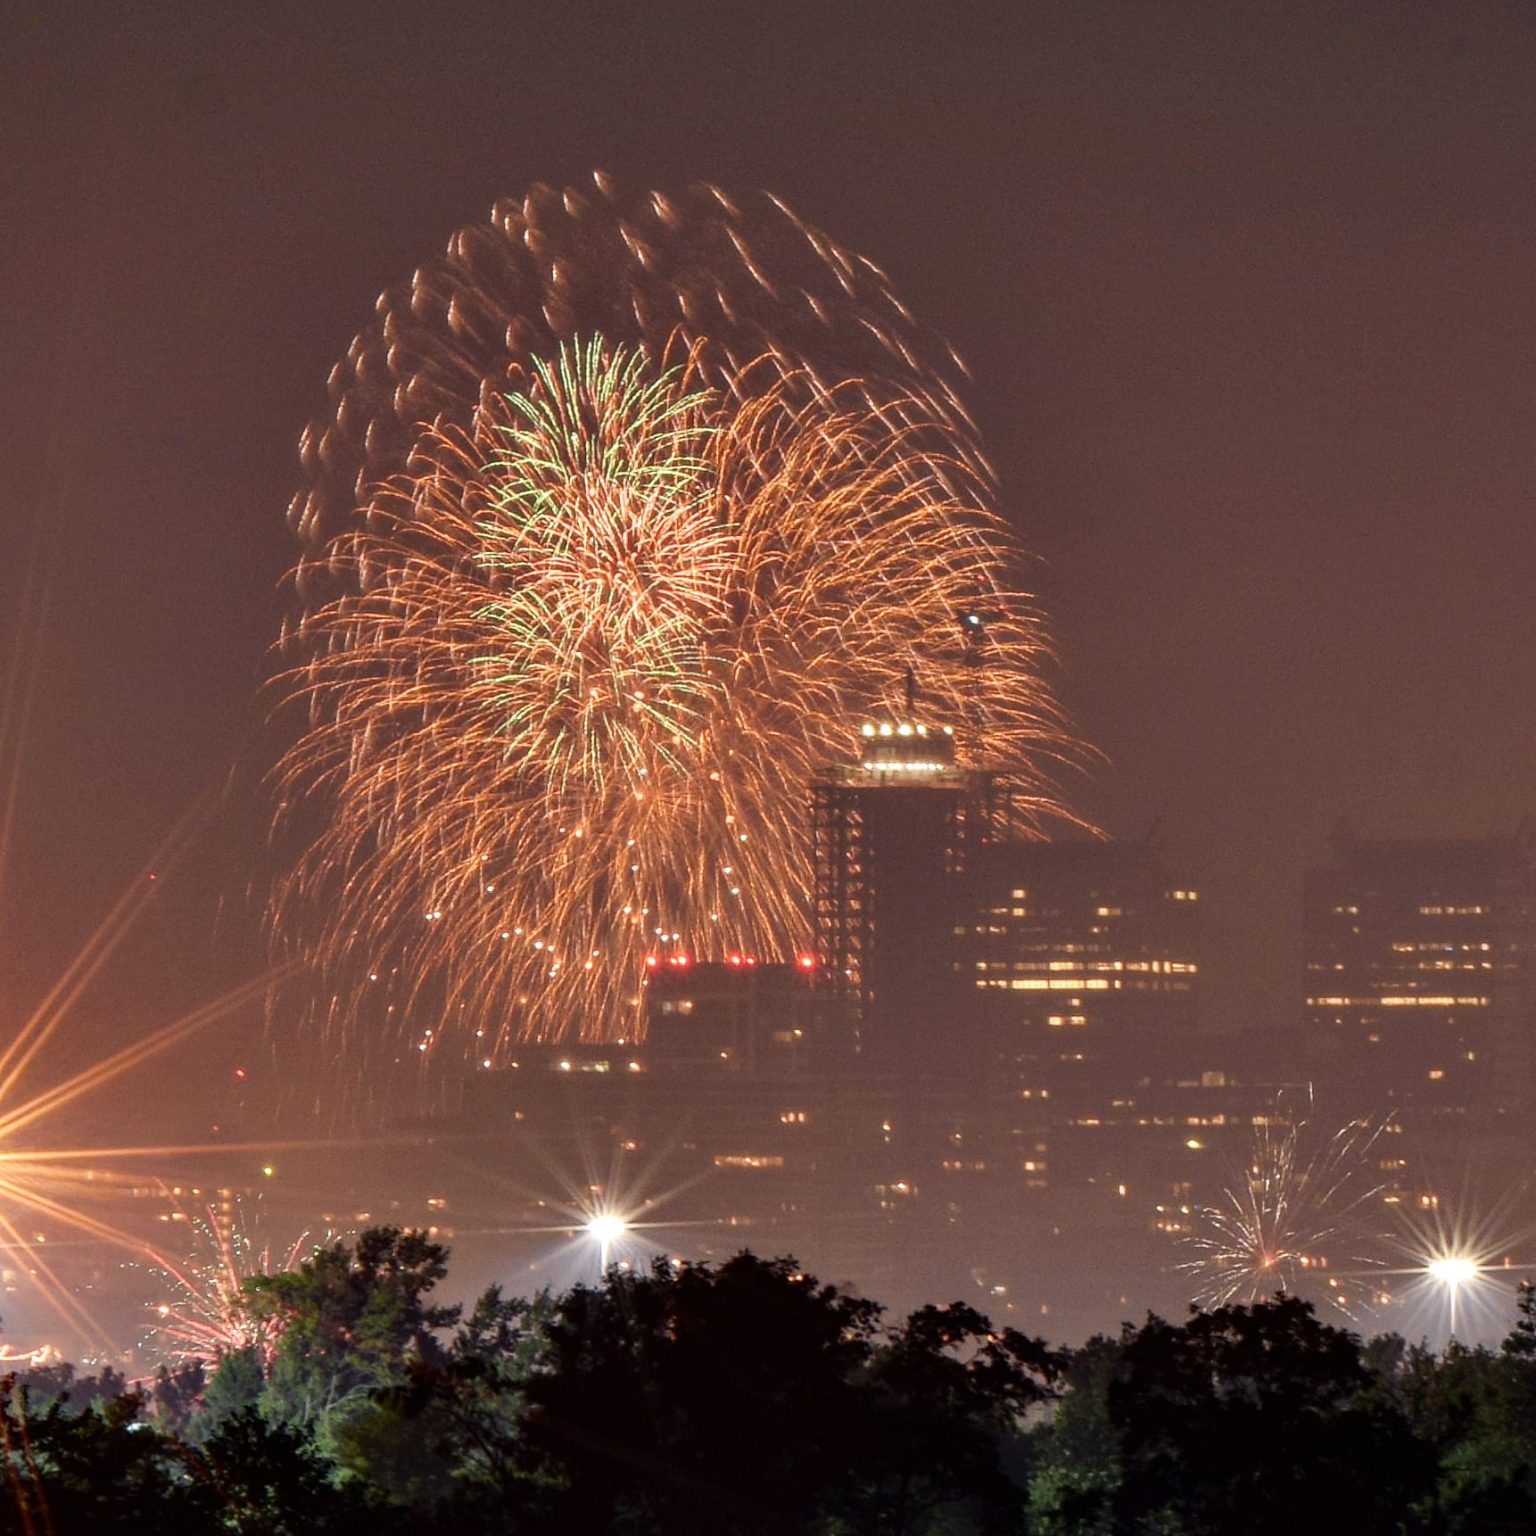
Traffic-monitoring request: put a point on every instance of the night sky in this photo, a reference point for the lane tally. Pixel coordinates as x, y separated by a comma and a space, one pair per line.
1246, 291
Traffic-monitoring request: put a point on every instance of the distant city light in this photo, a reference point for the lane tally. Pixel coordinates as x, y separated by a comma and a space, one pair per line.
607, 1228
1452, 1270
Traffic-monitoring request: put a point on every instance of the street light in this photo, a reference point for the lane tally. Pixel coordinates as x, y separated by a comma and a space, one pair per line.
606, 1229
1452, 1270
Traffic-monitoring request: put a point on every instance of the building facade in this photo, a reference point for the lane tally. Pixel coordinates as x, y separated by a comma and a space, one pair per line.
1420, 958
892, 836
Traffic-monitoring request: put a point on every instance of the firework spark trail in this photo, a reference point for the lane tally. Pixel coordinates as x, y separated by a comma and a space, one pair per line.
747, 274
604, 639
1281, 1219
206, 1316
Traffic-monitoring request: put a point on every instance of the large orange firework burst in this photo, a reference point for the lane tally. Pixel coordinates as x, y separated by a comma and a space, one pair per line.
746, 274
572, 664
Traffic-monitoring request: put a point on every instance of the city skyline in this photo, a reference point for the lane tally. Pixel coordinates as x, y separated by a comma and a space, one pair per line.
1243, 307
1260, 602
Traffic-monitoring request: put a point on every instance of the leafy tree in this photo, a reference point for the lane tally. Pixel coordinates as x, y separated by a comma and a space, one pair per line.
236, 1385
1257, 1419
1074, 1454
1473, 1412
696, 1400
749, 1398
98, 1471
938, 1396
176, 1396
350, 1320
470, 1404
270, 1480
60, 1382
1521, 1341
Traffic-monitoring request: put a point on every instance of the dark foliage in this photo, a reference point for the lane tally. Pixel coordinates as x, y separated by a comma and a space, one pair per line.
1257, 1419
748, 1398
101, 1470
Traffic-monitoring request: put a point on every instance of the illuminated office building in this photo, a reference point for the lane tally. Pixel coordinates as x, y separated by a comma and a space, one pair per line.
892, 836
738, 1015
1079, 940
1419, 974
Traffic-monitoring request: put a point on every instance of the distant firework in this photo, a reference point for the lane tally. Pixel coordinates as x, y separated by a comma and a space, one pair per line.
204, 1315
571, 663
1293, 1219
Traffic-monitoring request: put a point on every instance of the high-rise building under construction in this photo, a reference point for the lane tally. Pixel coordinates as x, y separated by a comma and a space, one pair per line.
893, 834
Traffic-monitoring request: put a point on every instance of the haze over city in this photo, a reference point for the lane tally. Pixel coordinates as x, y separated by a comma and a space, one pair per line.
1242, 302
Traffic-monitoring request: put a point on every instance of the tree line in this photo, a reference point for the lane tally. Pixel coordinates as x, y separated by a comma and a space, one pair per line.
748, 1398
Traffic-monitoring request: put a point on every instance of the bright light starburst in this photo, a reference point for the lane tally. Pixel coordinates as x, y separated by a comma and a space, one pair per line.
1459, 1255
48, 1183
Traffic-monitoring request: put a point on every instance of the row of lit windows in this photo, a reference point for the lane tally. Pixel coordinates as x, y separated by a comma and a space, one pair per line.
1053, 984
1354, 911
1058, 912
1419, 965
1397, 1002
1153, 967
1039, 942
